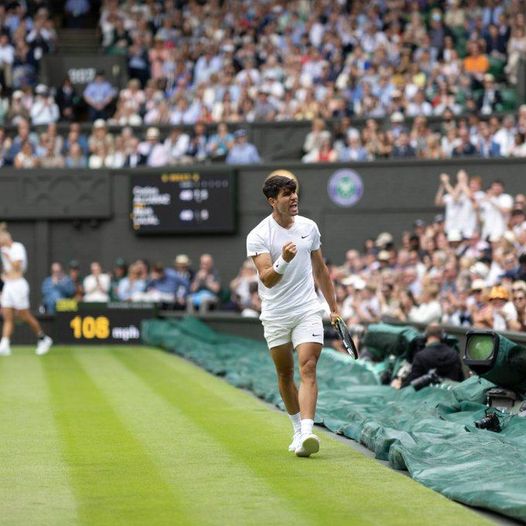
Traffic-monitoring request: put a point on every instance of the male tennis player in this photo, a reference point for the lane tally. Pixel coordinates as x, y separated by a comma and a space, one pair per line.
286, 250
15, 295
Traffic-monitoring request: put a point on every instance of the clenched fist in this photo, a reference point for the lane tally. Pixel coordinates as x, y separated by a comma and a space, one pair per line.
289, 251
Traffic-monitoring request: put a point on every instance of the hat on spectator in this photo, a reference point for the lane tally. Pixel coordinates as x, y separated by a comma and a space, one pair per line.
119, 262
383, 239
74, 264
41, 89
182, 259
383, 255
397, 117
454, 236
478, 284
439, 218
99, 123
499, 293
480, 269
18, 94
240, 133
152, 133
354, 281
488, 77
419, 223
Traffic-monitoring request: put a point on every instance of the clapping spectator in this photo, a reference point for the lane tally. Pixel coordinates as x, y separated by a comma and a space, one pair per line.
97, 285
132, 285
205, 286
55, 287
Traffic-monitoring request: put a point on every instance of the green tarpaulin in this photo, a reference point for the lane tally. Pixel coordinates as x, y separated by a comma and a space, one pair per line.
430, 432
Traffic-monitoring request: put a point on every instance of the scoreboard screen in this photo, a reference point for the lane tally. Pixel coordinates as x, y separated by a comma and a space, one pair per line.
184, 202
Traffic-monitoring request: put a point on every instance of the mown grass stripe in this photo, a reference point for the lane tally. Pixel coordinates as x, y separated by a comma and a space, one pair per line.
34, 485
340, 486
216, 487
113, 477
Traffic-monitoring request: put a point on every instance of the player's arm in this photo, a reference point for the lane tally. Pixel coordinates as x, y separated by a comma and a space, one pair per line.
270, 273
323, 279
16, 265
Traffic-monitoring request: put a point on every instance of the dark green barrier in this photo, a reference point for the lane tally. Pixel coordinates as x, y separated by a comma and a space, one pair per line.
430, 433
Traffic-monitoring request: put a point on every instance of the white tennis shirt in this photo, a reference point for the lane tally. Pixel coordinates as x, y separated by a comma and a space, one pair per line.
294, 294
16, 252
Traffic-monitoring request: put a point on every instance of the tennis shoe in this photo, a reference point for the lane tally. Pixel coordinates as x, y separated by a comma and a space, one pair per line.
44, 345
295, 442
5, 350
309, 445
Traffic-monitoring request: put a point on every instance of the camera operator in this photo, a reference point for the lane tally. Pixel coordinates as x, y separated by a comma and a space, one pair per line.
435, 355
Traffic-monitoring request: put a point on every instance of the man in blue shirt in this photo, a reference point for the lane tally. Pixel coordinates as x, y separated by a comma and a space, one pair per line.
165, 286
55, 287
242, 152
99, 94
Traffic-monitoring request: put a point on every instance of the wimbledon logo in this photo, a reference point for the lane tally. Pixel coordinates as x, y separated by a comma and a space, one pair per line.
345, 187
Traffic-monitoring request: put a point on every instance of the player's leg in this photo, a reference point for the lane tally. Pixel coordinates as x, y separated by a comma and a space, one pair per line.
8, 315
308, 354
284, 363
44, 341
307, 339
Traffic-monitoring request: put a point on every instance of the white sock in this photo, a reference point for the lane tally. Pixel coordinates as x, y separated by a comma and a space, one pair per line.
5, 342
296, 422
306, 426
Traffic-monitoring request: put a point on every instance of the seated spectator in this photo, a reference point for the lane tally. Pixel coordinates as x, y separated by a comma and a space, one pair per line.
76, 278
240, 286
220, 143
118, 273
403, 147
314, 139
75, 158
464, 146
7, 57
205, 286
242, 152
162, 286
44, 108
100, 137
519, 147
196, 151
497, 313
99, 95
184, 274
435, 355
25, 158
151, 150
428, 309
132, 286
55, 287
176, 145
353, 151
97, 285
491, 98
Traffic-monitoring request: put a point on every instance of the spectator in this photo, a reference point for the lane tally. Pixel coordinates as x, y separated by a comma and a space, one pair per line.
495, 210
119, 272
314, 139
7, 57
176, 145
99, 95
76, 278
240, 286
44, 109
497, 313
163, 286
132, 286
67, 100
75, 158
428, 308
220, 143
25, 158
152, 151
76, 12
403, 147
205, 286
97, 285
55, 287
242, 152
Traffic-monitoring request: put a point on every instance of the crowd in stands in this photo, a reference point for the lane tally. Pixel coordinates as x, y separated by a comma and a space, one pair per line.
467, 267
211, 66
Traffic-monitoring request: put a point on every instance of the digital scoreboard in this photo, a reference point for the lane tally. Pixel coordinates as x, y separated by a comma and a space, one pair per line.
184, 202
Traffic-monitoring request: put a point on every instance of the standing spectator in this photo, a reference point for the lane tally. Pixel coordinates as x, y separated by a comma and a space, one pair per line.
44, 109
242, 152
495, 210
99, 95
7, 57
205, 286
76, 11
96, 285
67, 100
55, 287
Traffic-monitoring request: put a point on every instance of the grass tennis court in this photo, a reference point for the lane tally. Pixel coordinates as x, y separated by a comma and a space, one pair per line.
137, 436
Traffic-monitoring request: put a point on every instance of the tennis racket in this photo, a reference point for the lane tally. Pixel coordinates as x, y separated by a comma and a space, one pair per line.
345, 336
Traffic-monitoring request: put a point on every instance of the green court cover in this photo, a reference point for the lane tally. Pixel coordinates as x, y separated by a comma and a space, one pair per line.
429, 433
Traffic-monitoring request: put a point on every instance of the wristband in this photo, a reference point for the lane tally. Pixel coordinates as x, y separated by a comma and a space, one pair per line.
280, 265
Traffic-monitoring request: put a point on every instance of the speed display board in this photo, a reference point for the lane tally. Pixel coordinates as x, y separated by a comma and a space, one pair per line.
180, 202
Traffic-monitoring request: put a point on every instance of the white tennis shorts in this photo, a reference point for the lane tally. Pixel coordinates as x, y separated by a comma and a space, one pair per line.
305, 328
15, 294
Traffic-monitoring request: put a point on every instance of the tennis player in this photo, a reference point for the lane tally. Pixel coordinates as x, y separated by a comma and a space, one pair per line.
15, 295
286, 250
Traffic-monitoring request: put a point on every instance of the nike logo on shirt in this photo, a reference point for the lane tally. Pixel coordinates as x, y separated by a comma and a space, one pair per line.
303, 237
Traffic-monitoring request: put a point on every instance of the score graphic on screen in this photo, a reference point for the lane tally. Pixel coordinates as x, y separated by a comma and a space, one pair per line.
184, 202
